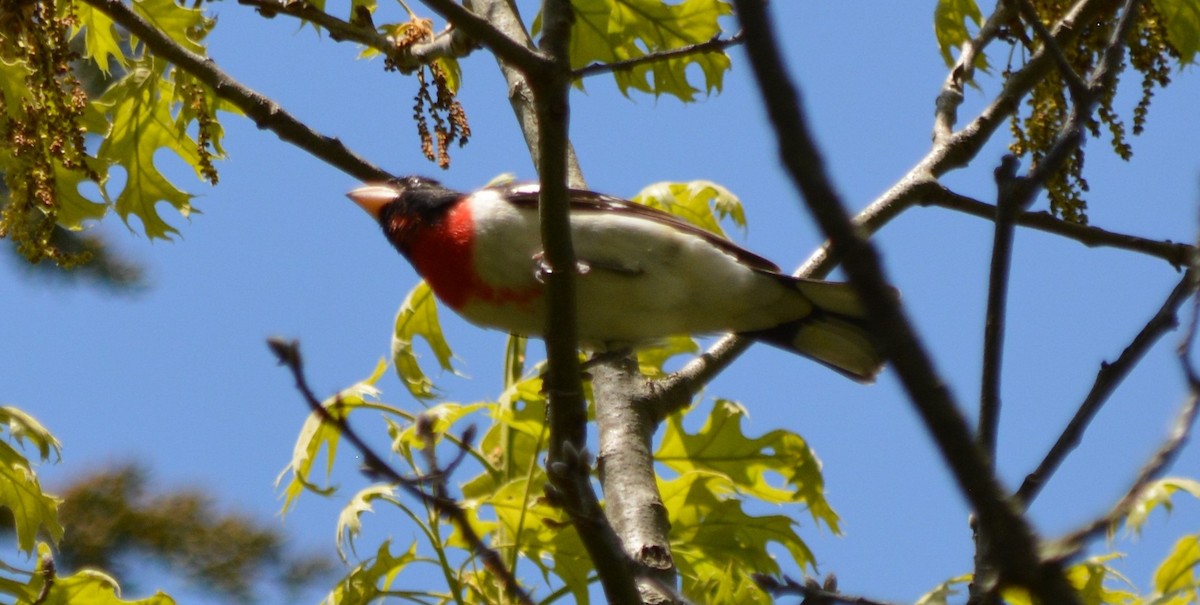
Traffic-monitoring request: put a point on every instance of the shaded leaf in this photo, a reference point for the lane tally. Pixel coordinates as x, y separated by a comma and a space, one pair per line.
418, 318
1182, 18
365, 582
88, 587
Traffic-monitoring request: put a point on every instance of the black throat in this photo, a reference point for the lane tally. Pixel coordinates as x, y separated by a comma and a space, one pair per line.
421, 203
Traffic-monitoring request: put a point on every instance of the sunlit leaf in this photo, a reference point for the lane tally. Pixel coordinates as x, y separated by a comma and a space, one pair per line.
85, 587
1177, 573
714, 540
941, 593
652, 359
317, 435
22, 427
1158, 494
608, 31
101, 43
33, 510
365, 582
349, 523
185, 25
418, 318
950, 25
721, 447
702, 203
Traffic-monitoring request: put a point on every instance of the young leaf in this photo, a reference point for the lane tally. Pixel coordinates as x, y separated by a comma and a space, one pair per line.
139, 106
950, 25
607, 31
1176, 575
1158, 494
368, 579
21, 493
22, 426
349, 521
88, 586
941, 593
101, 43
714, 540
702, 203
721, 447
418, 317
317, 434
1182, 18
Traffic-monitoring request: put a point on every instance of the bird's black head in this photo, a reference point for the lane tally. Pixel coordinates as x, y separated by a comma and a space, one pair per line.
405, 204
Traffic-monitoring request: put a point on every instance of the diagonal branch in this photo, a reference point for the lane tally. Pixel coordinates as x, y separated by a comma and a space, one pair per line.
1014, 544
266, 113
1107, 380
483, 31
1177, 254
288, 354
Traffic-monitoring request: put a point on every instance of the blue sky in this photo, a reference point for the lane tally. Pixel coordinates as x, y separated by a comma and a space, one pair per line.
178, 376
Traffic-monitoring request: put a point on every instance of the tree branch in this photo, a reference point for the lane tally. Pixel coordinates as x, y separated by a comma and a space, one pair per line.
449, 43
1015, 545
951, 96
506, 48
1074, 82
266, 113
1176, 254
288, 354
1107, 380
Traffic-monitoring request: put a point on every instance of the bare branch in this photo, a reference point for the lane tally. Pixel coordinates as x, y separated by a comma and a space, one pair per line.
1176, 254
716, 44
449, 43
266, 113
811, 592
480, 29
1075, 83
1107, 380
288, 354
1014, 544
963, 71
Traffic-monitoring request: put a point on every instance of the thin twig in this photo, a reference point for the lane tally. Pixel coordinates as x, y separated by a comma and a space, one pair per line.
1175, 253
1075, 83
1165, 455
288, 353
951, 95
1015, 545
1107, 380
716, 44
811, 592
449, 43
481, 30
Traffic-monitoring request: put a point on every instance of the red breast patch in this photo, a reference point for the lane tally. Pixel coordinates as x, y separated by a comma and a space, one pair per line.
444, 255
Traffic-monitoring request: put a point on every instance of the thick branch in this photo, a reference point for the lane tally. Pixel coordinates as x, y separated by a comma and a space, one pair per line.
266, 113
1015, 545
506, 48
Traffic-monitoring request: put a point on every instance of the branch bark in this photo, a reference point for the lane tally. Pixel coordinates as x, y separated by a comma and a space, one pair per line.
1015, 544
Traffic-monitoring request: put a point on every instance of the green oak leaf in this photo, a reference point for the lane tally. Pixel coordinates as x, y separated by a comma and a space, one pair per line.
702, 203
102, 44
139, 106
950, 26
1182, 18
722, 448
349, 523
608, 31
22, 427
714, 541
418, 318
85, 587
186, 26
1158, 494
33, 510
368, 579
1177, 573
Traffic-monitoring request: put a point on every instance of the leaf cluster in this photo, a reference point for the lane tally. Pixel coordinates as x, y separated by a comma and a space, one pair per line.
142, 105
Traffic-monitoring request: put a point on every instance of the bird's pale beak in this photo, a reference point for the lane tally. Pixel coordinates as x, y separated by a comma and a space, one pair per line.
373, 198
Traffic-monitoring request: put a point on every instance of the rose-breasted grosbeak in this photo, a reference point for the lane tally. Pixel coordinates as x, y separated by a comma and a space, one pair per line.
643, 274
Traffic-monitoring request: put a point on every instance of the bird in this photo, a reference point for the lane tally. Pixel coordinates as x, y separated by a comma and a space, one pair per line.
642, 275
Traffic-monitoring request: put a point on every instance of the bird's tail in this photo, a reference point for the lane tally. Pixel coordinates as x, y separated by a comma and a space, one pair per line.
834, 334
